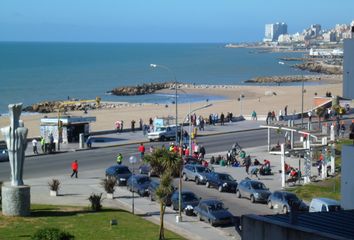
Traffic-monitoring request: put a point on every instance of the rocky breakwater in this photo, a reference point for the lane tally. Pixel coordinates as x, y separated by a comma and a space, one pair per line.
141, 89
283, 79
319, 67
54, 106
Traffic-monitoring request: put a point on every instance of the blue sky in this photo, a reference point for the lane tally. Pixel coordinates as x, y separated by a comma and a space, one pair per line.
162, 20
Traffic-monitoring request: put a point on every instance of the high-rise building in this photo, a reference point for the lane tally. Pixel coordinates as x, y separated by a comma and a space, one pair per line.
348, 67
274, 30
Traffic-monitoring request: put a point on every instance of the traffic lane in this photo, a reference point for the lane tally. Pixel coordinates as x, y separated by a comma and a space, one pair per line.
235, 205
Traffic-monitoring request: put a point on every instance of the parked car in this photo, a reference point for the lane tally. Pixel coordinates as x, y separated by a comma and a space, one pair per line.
188, 199
164, 133
221, 181
146, 169
120, 172
195, 172
324, 205
254, 190
213, 212
154, 184
4, 155
281, 201
139, 183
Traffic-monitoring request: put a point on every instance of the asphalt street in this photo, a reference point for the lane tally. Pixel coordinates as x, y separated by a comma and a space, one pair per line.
101, 158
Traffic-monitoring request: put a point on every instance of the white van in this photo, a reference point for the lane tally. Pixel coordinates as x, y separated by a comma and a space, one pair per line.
164, 133
324, 205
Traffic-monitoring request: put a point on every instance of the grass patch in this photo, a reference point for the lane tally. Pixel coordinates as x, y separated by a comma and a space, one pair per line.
81, 223
329, 188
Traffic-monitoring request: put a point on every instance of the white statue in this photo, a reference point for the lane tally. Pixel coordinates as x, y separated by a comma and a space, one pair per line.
16, 141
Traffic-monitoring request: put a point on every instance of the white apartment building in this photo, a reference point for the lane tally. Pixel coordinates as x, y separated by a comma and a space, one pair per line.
274, 30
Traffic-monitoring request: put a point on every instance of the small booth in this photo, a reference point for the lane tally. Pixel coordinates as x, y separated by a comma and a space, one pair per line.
65, 128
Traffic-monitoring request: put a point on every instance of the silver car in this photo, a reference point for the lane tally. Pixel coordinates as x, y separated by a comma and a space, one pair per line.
280, 201
254, 190
195, 172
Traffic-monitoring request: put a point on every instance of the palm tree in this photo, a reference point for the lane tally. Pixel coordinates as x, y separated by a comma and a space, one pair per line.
320, 113
165, 164
163, 191
162, 160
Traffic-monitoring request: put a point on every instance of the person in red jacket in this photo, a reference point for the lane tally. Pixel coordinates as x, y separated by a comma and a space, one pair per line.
75, 168
141, 149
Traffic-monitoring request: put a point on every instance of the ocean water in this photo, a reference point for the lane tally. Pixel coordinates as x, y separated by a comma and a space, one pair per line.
34, 72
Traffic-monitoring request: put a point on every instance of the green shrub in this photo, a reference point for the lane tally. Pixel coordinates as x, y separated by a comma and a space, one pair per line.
109, 184
95, 200
54, 185
51, 234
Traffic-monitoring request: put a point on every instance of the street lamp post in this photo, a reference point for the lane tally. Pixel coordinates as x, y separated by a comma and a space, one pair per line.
175, 80
302, 103
133, 160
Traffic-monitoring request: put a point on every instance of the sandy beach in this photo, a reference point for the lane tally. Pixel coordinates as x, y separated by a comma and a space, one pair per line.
259, 98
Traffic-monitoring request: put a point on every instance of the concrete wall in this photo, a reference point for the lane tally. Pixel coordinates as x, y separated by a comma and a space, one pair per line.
347, 180
253, 228
348, 69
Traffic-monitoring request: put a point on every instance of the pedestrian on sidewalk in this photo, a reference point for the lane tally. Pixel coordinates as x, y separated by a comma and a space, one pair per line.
247, 163
121, 125
34, 144
43, 144
254, 171
119, 159
75, 168
141, 150
133, 125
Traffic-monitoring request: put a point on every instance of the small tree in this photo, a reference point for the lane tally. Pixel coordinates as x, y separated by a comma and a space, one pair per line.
163, 191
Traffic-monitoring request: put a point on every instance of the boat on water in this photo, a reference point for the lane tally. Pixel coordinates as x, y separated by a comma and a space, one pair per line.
281, 63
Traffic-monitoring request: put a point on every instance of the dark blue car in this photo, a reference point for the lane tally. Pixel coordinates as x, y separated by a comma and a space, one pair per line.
213, 212
120, 172
221, 181
139, 184
188, 199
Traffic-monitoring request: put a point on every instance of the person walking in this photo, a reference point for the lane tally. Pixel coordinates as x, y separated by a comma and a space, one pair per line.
133, 125
119, 159
247, 163
34, 145
121, 125
75, 168
254, 115
202, 151
222, 118
254, 171
141, 150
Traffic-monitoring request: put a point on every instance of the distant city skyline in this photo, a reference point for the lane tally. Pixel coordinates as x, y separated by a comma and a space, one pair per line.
162, 21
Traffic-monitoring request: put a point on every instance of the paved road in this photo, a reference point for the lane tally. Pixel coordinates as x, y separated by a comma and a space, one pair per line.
101, 158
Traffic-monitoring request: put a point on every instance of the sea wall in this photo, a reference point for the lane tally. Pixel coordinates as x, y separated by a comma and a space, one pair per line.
319, 67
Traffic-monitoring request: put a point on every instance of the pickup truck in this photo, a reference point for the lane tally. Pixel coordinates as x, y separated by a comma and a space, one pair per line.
164, 133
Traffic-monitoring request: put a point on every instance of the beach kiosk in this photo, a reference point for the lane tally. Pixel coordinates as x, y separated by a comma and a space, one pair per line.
65, 128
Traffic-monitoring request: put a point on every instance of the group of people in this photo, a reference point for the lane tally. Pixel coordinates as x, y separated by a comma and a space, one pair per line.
45, 147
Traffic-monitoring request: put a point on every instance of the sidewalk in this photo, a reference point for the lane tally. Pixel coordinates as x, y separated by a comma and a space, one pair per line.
74, 192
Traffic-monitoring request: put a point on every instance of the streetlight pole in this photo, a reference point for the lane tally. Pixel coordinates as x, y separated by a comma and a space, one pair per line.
302, 103
175, 80
189, 125
133, 160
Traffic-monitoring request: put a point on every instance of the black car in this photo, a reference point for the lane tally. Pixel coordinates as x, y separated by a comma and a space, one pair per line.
139, 184
221, 181
188, 199
281, 202
120, 172
254, 190
153, 186
213, 212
